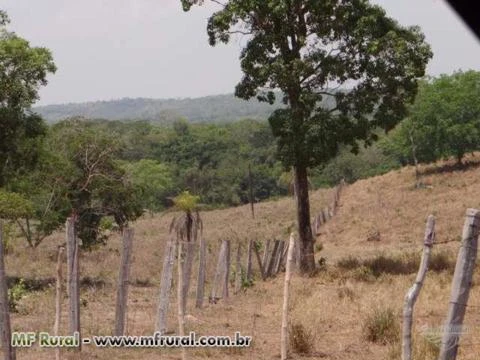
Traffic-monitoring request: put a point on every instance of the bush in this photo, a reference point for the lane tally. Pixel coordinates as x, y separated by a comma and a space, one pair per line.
403, 264
301, 340
15, 294
381, 326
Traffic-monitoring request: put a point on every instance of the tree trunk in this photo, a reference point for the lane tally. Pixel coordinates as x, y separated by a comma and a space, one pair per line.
307, 259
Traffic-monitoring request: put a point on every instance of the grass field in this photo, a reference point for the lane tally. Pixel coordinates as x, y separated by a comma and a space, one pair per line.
384, 215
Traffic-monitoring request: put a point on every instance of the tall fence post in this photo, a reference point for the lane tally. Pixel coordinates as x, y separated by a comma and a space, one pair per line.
286, 292
218, 272
187, 271
122, 291
238, 269
249, 260
461, 284
73, 278
226, 263
165, 286
58, 299
413, 292
202, 265
5, 329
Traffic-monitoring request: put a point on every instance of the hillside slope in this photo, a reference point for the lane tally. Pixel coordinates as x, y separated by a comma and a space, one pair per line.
332, 306
217, 108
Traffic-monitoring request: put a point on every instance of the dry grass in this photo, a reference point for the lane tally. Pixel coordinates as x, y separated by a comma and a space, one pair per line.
331, 306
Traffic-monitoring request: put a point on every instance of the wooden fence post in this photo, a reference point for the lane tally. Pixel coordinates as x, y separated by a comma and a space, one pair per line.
218, 272
272, 258
251, 244
226, 263
73, 278
284, 333
202, 264
122, 291
278, 259
187, 271
180, 294
5, 329
259, 261
58, 299
266, 257
165, 286
461, 284
238, 269
413, 292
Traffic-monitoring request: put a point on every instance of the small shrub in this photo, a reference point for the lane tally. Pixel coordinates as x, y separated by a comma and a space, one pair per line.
381, 326
349, 263
441, 261
363, 273
346, 292
427, 345
15, 294
301, 340
318, 247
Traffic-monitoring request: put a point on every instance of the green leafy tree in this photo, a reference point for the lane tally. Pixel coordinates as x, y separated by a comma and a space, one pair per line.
23, 69
444, 121
306, 47
153, 179
90, 179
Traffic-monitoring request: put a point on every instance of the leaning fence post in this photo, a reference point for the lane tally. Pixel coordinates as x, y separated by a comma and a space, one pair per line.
284, 335
73, 278
413, 292
122, 291
259, 261
6, 334
461, 284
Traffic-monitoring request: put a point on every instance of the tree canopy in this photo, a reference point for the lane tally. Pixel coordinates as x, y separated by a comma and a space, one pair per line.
444, 120
23, 69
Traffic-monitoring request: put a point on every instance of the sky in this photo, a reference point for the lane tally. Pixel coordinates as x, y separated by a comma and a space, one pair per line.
111, 49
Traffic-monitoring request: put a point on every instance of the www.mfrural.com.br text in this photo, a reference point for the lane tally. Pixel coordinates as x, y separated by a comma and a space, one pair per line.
45, 340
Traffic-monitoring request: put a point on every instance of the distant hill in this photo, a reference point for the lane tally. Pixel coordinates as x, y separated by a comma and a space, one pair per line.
217, 108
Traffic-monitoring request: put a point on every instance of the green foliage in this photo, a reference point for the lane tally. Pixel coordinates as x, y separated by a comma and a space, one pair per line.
153, 178
23, 69
15, 294
444, 120
88, 181
14, 206
368, 162
186, 202
382, 57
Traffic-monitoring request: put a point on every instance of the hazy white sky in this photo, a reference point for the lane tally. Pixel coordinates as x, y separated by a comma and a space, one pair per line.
109, 49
